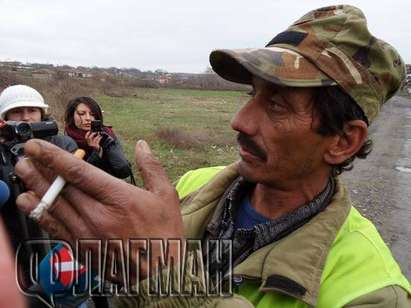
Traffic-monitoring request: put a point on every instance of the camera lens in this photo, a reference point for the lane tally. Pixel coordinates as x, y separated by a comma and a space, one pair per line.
23, 131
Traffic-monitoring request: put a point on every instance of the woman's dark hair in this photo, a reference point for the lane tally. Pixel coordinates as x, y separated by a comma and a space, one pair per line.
72, 105
335, 108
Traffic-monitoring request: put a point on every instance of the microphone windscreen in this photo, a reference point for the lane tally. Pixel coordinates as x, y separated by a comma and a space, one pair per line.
4, 193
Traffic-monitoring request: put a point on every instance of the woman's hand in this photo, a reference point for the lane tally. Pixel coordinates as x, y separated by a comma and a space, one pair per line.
93, 140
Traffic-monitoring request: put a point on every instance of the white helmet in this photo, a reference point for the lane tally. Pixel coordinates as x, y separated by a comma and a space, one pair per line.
20, 96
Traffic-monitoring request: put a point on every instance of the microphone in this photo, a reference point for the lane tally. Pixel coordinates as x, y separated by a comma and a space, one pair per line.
4, 193
63, 279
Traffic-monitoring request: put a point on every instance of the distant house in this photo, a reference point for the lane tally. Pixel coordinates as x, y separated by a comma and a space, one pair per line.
79, 74
163, 80
163, 77
42, 74
86, 75
23, 67
10, 63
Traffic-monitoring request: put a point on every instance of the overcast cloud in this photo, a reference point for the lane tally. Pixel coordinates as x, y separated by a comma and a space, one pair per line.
176, 36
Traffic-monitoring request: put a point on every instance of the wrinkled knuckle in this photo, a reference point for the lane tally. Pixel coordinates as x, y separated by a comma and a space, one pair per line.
149, 166
151, 160
49, 225
48, 154
75, 171
31, 177
56, 204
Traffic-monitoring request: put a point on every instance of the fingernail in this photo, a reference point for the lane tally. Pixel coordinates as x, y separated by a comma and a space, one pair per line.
143, 146
26, 202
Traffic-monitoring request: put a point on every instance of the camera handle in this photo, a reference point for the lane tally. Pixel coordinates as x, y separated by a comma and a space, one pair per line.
17, 150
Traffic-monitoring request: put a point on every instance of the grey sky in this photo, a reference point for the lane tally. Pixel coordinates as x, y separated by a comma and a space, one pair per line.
173, 35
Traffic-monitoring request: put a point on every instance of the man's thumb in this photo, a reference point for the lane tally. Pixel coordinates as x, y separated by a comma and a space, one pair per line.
154, 176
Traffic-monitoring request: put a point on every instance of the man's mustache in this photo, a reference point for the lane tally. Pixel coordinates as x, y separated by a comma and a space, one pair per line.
251, 146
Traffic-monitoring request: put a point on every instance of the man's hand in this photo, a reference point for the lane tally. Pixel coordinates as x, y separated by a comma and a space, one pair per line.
95, 205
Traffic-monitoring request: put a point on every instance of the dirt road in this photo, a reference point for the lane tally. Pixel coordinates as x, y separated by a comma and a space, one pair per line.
381, 185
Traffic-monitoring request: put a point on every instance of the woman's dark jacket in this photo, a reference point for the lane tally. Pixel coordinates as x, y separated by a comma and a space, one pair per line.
113, 160
63, 142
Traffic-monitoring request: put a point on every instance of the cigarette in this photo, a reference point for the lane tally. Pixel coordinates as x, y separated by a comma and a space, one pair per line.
52, 193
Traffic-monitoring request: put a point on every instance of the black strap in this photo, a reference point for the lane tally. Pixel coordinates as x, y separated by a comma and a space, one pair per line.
132, 179
288, 37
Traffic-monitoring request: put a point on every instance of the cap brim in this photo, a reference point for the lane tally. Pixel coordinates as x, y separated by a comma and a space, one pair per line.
275, 64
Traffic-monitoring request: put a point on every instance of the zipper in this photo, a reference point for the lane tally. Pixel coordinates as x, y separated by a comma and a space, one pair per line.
238, 280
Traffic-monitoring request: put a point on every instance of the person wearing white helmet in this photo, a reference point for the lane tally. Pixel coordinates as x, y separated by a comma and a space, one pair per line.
23, 103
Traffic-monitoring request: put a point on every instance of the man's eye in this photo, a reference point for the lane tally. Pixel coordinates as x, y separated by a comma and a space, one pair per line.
276, 106
251, 93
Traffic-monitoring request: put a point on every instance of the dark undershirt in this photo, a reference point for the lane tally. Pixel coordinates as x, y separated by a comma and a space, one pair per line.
247, 217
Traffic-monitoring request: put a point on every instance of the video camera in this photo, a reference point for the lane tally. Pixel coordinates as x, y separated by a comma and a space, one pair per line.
13, 136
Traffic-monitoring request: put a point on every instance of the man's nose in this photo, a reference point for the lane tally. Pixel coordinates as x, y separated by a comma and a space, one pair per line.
25, 115
246, 119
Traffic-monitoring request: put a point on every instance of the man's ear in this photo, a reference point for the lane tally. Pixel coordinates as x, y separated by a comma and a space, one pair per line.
345, 145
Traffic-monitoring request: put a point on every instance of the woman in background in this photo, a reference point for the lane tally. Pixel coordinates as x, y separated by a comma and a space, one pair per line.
103, 148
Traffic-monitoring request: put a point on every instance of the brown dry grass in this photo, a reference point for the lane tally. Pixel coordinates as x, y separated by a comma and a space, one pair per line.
179, 138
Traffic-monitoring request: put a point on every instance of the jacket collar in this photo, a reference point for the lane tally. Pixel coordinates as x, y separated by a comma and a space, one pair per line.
295, 263
292, 265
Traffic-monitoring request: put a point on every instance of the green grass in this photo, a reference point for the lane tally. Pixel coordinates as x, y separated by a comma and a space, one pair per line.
203, 114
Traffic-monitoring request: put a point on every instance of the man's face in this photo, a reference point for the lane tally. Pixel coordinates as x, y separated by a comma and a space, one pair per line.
25, 114
278, 144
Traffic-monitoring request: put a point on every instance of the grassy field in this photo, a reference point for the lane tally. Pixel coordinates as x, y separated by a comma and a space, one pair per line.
186, 129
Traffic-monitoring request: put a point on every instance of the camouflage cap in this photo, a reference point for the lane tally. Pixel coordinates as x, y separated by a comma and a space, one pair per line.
327, 46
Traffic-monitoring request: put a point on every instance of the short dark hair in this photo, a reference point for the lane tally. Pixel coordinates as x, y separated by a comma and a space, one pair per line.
72, 105
334, 108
